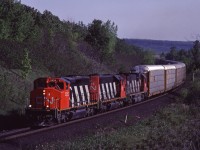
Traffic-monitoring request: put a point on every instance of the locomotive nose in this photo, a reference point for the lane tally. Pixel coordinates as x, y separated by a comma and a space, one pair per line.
40, 102
37, 98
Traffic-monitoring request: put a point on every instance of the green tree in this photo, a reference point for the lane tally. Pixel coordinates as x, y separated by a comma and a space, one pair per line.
102, 36
148, 57
16, 21
195, 51
26, 64
162, 55
5, 28
172, 55
51, 23
185, 56
6, 92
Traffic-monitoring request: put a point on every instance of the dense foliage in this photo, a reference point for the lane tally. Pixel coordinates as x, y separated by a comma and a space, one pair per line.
102, 36
55, 44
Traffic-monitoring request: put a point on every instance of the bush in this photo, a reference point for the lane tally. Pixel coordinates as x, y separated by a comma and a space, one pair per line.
193, 94
183, 94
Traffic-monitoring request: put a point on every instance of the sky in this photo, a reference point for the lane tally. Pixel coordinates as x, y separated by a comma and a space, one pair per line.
176, 20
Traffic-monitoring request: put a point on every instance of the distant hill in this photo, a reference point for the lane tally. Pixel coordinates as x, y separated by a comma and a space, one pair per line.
160, 46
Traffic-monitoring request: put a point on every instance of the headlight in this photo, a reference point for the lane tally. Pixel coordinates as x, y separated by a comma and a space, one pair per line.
47, 106
43, 92
30, 106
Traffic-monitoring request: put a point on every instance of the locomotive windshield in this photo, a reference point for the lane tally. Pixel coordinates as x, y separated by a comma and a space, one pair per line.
60, 85
51, 84
43, 83
57, 85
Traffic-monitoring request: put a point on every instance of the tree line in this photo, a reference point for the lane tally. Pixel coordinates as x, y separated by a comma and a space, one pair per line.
54, 44
190, 57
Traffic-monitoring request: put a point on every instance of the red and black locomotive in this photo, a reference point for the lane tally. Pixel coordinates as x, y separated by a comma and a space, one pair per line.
65, 98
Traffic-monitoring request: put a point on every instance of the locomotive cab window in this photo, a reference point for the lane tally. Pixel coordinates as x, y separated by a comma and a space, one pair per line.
60, 85
51, 84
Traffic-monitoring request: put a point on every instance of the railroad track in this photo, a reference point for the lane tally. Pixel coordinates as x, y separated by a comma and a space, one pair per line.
12, 134
28, 131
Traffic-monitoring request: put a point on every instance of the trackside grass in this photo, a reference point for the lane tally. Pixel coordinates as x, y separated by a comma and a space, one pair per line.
174, 127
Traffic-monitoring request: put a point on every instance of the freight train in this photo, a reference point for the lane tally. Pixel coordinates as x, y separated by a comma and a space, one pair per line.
71, 97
